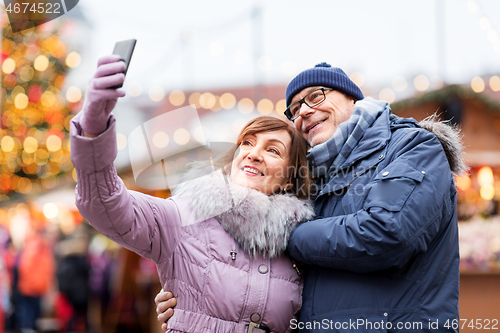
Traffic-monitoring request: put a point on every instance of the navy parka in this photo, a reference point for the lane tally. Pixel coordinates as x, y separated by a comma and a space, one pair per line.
383, 254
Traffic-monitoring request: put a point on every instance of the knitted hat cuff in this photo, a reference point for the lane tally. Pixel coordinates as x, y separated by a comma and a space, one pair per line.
326, 76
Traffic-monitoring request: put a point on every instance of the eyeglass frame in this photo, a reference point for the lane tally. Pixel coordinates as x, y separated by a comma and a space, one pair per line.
303, 101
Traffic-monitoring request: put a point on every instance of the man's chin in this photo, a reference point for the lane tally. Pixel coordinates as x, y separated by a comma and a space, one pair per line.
316, 140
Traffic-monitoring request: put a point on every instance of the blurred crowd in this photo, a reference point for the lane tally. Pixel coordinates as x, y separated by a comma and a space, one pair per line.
52, 280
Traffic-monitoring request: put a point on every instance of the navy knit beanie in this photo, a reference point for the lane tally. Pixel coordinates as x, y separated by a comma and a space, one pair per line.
326, 76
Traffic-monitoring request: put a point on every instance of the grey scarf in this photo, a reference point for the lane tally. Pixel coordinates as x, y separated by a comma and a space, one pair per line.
327, 157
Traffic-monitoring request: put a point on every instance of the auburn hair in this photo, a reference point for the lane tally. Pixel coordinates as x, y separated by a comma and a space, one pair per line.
297, 172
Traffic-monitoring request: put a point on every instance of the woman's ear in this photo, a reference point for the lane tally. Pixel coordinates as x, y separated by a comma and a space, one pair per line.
288, 187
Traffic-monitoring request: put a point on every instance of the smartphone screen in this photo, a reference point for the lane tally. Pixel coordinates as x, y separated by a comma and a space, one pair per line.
124, 49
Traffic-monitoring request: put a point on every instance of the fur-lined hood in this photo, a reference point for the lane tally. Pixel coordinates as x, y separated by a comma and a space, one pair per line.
450, 139
260, 224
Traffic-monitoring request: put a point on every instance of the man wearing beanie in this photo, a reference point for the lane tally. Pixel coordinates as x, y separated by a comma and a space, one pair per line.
382, 256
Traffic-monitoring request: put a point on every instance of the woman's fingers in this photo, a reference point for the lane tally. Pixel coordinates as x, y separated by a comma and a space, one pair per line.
110, 69
107, 59
162, 307
108, 81
163, 296
165, 316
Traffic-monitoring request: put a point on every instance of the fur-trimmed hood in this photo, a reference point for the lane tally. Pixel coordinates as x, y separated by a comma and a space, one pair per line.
260, 224
450, 139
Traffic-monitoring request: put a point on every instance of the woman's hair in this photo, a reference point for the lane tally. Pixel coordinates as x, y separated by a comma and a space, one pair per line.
297, 172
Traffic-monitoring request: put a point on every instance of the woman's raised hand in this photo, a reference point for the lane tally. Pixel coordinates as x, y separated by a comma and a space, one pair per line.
100, 99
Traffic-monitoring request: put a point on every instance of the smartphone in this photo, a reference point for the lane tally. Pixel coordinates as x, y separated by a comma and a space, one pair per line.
124, 49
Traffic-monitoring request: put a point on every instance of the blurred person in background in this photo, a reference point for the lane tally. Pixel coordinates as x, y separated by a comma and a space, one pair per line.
5, 279
35, 276
72, 273
9, 256
384, 248
102, 258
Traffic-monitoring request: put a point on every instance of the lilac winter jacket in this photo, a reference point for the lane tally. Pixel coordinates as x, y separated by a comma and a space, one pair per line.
226, 272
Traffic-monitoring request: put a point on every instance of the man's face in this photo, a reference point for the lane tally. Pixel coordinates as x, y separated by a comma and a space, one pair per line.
319, 123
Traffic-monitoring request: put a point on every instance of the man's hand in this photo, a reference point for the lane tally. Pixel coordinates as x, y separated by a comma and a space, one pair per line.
99, 99
165, 302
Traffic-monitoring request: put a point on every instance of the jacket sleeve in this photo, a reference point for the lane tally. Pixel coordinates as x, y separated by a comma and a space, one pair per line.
145, 224
402, 211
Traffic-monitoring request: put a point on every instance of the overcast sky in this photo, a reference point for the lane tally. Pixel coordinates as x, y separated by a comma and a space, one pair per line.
203, 44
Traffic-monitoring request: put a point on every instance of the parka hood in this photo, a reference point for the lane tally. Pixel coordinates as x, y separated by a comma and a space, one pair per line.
450, 139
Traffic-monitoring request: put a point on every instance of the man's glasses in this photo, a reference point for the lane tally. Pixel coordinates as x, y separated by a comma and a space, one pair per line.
312, 99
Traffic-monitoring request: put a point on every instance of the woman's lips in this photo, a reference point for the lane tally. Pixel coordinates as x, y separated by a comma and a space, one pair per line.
252, 171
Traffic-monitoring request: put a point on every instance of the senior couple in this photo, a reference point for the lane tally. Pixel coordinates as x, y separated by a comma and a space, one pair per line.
371, 246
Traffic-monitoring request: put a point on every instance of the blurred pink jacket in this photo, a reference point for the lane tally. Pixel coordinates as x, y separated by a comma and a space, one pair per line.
215, 267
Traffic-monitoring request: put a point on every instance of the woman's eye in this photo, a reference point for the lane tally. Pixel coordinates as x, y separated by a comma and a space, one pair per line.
246, 143
275, 151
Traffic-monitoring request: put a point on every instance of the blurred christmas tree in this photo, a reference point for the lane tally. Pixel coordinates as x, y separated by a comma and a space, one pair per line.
35, 115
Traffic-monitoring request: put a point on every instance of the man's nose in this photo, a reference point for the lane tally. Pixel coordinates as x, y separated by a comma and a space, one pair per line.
305, 110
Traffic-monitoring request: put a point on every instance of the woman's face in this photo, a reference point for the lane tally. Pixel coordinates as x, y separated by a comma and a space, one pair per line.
262, 160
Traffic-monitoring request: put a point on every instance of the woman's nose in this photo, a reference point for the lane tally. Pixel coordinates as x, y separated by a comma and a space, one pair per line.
255, 155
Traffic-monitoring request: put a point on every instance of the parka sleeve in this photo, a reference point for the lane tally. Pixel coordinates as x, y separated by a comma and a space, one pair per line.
403, 209
144, 224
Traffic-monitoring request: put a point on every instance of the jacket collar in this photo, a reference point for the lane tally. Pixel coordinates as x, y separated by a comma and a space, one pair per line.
374, 139
259, 223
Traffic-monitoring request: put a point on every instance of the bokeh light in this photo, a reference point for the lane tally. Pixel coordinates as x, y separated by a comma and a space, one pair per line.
176, 97
41, 63
246, 105
181, 136
50, 210
48, 98
265, 106
53, 143
73, 59
160, 139
358, 78
121, 141
485, 176
7, 143
487, 192
135, 89
73, 94
199, 134
421, 82
207, 100
495, 83
8, 66
463, 182
156, 93
194, 99
227, 101
387, 94
477, 84
30, 144
21, 101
